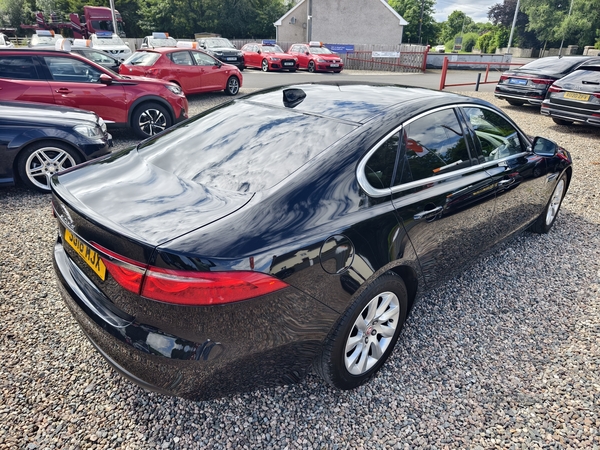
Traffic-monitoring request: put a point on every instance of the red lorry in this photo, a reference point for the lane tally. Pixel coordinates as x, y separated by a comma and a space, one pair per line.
93, 19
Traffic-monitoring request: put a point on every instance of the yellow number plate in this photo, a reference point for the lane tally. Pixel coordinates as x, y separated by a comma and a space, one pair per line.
577, 96
89, 256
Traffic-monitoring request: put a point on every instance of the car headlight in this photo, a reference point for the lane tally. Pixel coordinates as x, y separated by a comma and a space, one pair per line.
91, 131
274, 59
102, 124
173, 88
218, 53
321, 60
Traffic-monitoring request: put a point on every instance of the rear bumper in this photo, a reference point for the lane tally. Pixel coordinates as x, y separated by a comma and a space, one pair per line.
567, 113
531, 96
220, 350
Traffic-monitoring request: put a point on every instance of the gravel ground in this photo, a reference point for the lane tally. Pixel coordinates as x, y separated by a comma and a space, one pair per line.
504, 356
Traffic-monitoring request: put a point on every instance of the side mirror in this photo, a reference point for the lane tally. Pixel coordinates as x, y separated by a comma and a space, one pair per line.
544, 147
259, 52
307, 53
218, 63
105, 79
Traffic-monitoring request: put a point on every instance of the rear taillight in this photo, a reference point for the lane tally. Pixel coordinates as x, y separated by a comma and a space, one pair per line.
554, 89
151, 72
503, 78
542, 81
183, 287
206, 288
127, 272
596, 94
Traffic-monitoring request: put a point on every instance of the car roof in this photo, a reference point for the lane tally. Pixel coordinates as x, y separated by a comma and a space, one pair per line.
350, 101
166, 49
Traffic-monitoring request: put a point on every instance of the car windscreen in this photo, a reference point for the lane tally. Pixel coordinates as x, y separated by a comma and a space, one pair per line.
320, 51
271, 49
242, 146
215, 43
142, 59
552, 65
168, 42
109, 40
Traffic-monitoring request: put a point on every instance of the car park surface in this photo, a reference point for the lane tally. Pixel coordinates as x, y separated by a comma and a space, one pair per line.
267, 57
576, 97
488, 359
193, 70
529, 83
314, 57
37, 141
362, 233
55, 77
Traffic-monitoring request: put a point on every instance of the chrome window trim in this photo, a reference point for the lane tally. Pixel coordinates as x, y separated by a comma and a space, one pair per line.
378, 193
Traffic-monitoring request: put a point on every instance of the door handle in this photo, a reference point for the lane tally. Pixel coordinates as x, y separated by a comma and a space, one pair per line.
427, 214
63, 91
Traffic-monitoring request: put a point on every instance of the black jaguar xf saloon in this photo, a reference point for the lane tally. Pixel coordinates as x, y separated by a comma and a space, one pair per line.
295, 226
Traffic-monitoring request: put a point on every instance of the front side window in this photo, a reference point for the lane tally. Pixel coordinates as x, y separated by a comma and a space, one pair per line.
203, 60
432, 145
71, 70
497, 137
18, 67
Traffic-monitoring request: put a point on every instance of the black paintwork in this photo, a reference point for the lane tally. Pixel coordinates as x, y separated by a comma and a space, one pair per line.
24, 123
224, 53
317, 229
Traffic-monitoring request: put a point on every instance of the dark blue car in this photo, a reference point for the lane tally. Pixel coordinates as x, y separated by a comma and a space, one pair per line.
37, 141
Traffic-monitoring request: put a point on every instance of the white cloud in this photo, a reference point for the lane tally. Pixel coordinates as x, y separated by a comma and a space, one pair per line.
475, 9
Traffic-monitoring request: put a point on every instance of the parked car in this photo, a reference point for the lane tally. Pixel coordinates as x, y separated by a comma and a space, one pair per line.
5, 41
314, 57
100, 57
268, 57
576, 97
40, 140
44, 38
223, 50
158, 40
193, 70
61, 78
439, 48
530, 83
294, 226
110, 42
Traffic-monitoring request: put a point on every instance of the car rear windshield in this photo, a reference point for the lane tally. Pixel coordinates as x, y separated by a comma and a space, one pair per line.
553, 65
242, 146
142, 59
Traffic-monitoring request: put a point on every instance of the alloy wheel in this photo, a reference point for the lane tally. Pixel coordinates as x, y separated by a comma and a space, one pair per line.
554, 205
45, 162
152, 121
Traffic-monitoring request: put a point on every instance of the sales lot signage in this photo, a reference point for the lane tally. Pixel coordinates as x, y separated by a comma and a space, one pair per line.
340, 48
386, 55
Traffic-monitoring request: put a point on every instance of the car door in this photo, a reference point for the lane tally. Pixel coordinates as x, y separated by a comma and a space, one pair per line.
251, 56
22, 78
77, 84
519, 176
186, 72
443, 198
213, 76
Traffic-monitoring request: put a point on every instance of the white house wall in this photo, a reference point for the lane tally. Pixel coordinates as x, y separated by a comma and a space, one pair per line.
293, 32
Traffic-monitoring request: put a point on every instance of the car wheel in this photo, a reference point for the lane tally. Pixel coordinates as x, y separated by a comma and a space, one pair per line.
514, 102
561, 121
311, 67
264, 65
241, 68
545, 221
38, 162
233, 86
149, 119
365, 335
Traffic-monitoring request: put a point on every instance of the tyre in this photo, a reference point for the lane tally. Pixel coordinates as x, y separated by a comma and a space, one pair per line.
39, 161
514, 102
149, 119
292, 70
365, 335
561, 121
545, 221
241, 68
233, 86
311, 66
264, 66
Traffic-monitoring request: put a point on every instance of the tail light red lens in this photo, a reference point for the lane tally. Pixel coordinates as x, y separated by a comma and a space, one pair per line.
206, 288
183, 287
503, 78
127, 272
554, 89
542, 81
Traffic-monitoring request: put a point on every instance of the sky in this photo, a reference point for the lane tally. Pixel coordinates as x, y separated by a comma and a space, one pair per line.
475, 9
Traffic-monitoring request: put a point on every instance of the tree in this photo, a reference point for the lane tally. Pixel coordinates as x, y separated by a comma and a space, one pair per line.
458, 22
15, 12
503, 14
418, 14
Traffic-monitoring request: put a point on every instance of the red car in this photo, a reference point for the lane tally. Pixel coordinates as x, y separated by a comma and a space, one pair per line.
316, 58
193, 70
268, 57
57, 77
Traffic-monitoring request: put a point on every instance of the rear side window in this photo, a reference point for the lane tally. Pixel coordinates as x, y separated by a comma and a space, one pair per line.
142, 59
182, 58
432, 145
379, 169
18, 67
